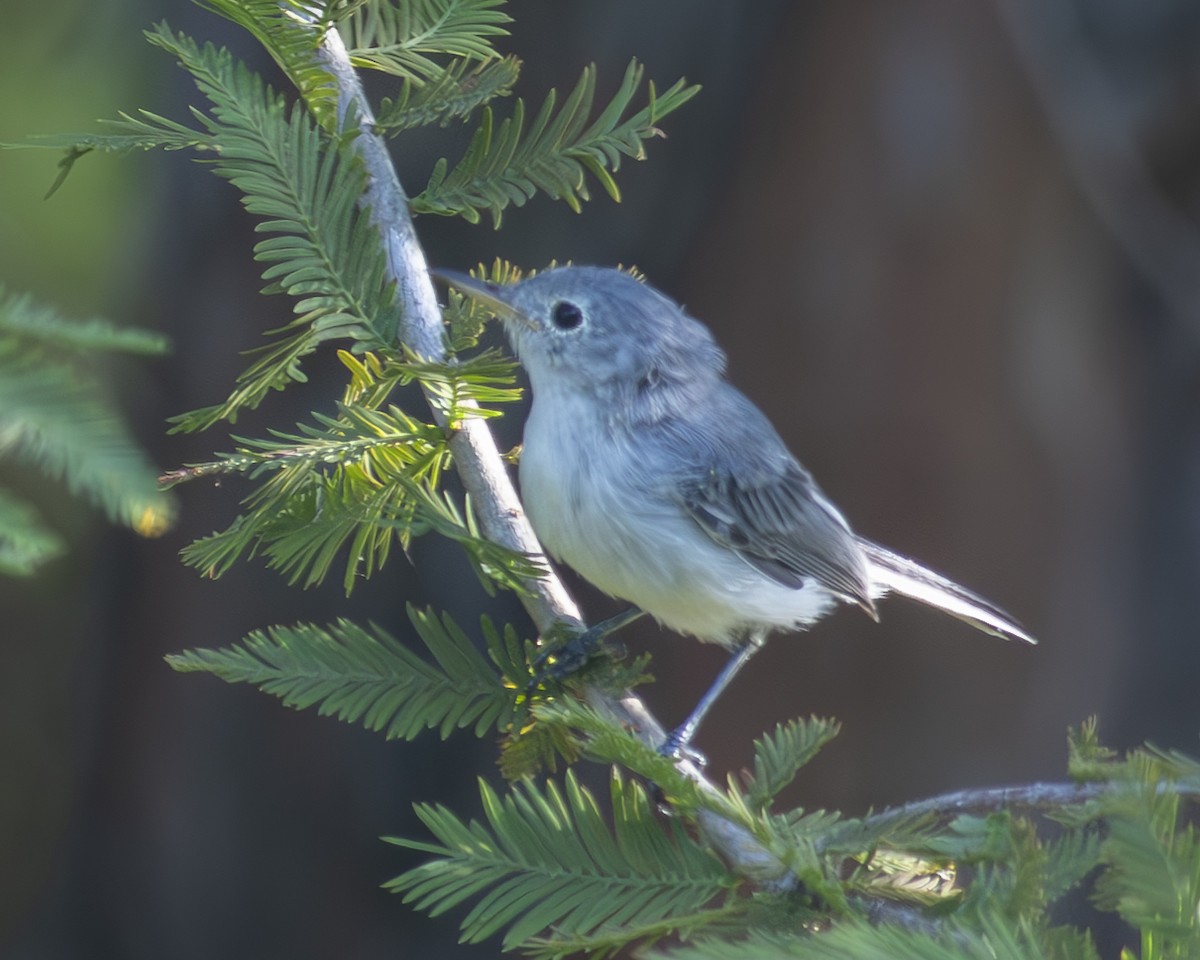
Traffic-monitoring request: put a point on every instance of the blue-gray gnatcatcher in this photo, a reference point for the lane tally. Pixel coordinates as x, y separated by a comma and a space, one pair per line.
648, 473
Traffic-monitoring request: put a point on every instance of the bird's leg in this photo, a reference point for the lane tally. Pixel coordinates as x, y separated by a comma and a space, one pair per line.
678, 741
570, 656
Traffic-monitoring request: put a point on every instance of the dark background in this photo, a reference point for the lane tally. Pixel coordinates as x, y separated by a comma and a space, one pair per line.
951, 251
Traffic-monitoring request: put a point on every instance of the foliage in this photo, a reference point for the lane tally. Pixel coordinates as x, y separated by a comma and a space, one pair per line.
366, 476
456, 93
553, 869
289, 30
548, 861
56, 416
780, 756
367, 676
961, 886
324, 251
511, 166
407, 39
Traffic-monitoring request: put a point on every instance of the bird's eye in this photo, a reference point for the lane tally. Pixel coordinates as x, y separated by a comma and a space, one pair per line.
566, 315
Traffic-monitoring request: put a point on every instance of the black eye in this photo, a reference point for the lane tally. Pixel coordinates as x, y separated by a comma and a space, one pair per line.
566, 315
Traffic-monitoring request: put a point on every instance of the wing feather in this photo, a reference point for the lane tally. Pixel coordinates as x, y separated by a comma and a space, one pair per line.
784, 527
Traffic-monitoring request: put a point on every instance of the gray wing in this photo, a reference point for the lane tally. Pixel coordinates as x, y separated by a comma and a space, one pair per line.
782, 525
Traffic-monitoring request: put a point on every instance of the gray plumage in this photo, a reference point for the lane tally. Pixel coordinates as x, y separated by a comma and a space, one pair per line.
659, 482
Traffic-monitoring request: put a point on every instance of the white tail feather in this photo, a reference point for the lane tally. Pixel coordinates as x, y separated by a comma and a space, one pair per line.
892, 573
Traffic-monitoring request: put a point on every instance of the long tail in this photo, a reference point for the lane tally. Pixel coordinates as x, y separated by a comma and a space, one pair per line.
891, 572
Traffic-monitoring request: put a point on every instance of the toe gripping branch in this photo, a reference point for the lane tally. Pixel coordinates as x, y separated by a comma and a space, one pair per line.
559, 661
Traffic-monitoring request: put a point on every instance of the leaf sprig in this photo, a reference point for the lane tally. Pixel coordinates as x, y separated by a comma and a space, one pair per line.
323, 250
57, 417
506, 165
403, 38
364, 675
546, 860
364, 480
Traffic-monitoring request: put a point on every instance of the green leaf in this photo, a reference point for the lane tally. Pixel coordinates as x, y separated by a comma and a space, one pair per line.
463, 388
1088, 758
1153, 875
361, 481
358, 479
547, 859
995, 939
779, 757
536, 748
401, 37
147, 131
25, 542
306, 186
55, 416
1069, 859
366, 676
604, 741
291, 31
466, 317
42, 329
507, 165
457, 92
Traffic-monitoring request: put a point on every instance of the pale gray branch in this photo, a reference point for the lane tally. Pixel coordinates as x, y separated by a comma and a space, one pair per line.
1033, 797
1029, 796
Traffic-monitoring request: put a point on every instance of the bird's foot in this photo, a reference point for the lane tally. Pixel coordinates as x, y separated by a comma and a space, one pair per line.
560, 660
678, 746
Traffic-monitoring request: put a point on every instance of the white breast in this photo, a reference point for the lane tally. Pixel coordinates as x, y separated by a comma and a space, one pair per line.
600, 507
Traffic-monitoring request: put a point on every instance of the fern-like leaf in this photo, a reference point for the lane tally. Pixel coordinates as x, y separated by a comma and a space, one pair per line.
604, 741
547, 860
458, 91
401, 37
290, 31
56, 417
367, 676
507, 165
1153, 875
466, 317
25, 541
779, 756
146, 131
1069, 859
39, 331
365, 480
324, 250
143, 131
996, 939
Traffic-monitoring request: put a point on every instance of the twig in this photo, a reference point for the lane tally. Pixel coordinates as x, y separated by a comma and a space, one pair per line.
480, 466
1031, 796
915, 919
1027, 796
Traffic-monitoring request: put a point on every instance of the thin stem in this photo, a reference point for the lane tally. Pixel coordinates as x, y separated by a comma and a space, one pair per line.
1027, 796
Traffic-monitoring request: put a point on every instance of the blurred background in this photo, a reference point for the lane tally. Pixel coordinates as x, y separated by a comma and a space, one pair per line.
951, 250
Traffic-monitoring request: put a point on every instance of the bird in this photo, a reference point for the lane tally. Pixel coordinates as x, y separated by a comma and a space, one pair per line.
646, 471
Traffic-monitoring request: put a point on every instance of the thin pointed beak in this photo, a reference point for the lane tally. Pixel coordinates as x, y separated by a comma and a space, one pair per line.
491, 295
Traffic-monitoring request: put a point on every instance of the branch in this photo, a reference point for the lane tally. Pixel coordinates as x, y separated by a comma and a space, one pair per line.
1028, 796
493, 497
475, 454
1033, 796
